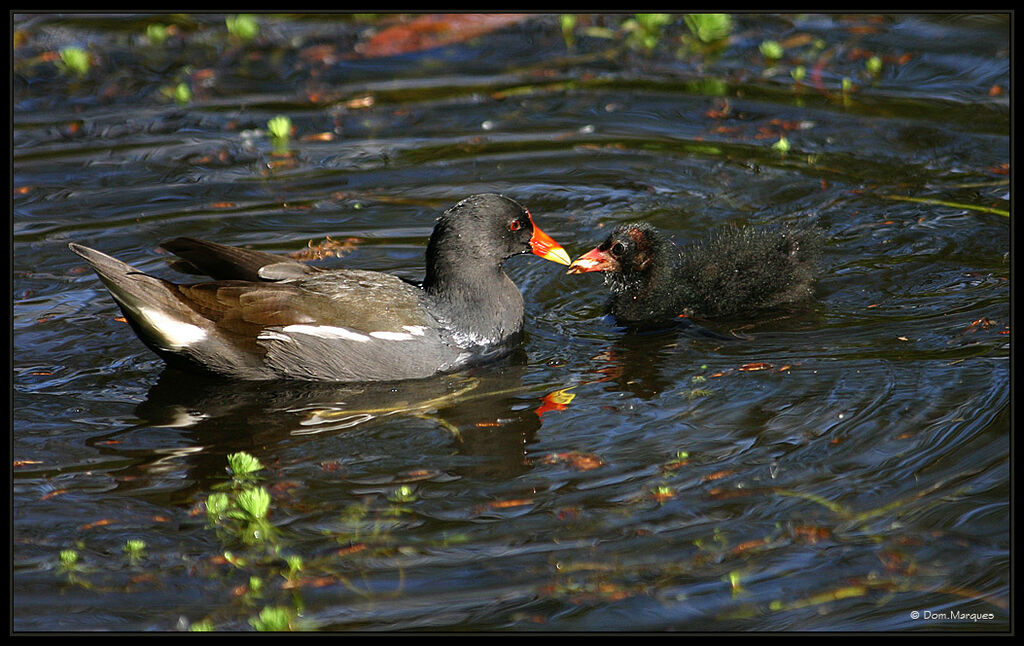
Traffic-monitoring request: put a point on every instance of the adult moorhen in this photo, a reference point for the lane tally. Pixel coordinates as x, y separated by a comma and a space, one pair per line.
269, 317
731, 274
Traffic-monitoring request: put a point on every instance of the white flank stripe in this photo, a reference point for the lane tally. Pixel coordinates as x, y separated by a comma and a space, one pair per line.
270, 335
415, 330
175, 333
391, 336
326, 332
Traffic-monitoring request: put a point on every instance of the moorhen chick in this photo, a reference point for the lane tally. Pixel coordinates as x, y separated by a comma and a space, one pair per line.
269, 317
733, 273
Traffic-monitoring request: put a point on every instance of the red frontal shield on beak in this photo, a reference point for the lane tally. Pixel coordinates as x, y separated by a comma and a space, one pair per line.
544, 246
593, 260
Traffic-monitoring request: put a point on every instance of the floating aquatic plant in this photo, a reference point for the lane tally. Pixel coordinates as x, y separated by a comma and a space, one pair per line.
709, 27
243, 26
75, 61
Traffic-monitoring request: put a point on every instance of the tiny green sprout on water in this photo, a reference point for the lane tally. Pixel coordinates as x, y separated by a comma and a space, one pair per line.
709, 27
243, 26
645, 28
271, 619
74, 60
255, 584
798, 73
156, 33
68, 559
280, 127
182, 93
404, 493
133, 548
568, 23
294, 564
782, 145
243, 464
771, 50
734, 583
847, 84
663, 493
873, 65
204, 626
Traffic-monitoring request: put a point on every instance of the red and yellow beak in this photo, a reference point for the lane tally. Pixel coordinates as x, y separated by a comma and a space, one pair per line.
593, 260
544, 246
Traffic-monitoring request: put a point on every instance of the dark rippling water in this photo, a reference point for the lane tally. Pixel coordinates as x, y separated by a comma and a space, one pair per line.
844, 467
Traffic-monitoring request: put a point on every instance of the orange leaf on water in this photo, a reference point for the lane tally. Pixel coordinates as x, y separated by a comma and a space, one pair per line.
434, 30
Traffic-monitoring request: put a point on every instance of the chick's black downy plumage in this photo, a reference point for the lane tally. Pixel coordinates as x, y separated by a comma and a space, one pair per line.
733, 273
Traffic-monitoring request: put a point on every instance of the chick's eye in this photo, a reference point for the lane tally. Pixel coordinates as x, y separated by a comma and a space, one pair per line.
515, 225
617, 249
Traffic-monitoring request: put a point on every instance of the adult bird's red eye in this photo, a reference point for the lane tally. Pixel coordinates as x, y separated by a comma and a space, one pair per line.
515, 225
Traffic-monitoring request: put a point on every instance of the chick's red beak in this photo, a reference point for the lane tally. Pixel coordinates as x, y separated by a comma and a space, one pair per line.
544, 246
593, 260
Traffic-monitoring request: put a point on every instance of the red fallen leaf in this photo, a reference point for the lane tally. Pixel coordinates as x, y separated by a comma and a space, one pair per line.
434, 30
309, 582
323, 54
351, 549
319, 136
22, 190
99, 523
505, 504
718, 475
810, 533
203, 74
576, 459
57, 492
360, 102
557, 400
723, 110
223, 205
676, 464
862, 29
284, 486
25, 463
569, 513
120, 319
796, 40
748, 545
751, 367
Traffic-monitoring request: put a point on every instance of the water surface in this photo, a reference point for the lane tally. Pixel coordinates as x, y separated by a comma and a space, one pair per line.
840, 467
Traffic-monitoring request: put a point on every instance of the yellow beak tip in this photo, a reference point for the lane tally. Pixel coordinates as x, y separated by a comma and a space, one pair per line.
559, 256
